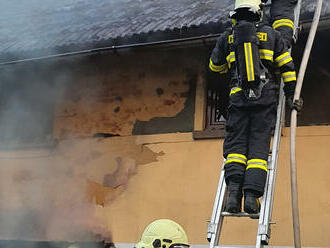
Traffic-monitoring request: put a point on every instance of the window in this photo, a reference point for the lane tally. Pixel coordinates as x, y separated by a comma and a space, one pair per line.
215, 108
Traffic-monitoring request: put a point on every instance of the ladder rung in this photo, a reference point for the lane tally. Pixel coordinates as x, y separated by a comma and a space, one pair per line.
241, 214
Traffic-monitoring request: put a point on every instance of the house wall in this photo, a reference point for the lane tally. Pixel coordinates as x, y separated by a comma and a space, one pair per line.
98, 188
130, 94
92, 188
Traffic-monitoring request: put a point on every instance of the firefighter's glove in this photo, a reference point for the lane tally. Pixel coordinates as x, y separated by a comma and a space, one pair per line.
296, 104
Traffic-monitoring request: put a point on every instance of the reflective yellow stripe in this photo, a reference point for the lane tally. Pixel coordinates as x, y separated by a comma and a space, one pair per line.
230, 39
266, 51
283, 59
266, 54
231, 58
266, 57
289, 76
234, 90
249, 61
258, 161
256, 167
257, 164
213, 67
237, 155
282, 56
218, 68
283, 22
224, 70
231, 160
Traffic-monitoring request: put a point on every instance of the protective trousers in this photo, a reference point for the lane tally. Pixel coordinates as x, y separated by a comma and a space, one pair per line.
247, 142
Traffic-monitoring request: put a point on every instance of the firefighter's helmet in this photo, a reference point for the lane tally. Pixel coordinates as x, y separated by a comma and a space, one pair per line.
242, 7
163, 233
253, 4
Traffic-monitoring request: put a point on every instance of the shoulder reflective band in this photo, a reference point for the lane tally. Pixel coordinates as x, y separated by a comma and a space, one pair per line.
266, 54
235, 157
234, 90
218, 68
283, 59
249, 61
231, 58
283, 22
257, 164
289, 76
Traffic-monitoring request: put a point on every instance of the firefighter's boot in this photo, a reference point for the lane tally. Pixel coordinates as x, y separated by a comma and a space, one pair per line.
251, 202
234, 201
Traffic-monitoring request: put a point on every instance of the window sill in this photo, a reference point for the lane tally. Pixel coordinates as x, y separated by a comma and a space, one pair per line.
218, 133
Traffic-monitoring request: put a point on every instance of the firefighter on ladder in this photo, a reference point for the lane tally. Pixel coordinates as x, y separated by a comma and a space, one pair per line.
251, 52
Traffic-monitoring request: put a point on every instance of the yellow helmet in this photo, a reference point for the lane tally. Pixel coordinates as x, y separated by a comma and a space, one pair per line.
250, 4
163, 233
247, 10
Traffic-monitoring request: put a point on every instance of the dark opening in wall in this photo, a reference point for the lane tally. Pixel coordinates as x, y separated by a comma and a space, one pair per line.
316, 87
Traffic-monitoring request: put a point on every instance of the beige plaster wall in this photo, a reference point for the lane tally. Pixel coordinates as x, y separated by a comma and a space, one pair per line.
111, 93
182, 184
112, 188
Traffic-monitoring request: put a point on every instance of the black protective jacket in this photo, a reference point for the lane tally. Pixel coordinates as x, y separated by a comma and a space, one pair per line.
273, 53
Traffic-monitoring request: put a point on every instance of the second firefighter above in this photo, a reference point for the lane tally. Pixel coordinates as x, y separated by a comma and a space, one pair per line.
250, 52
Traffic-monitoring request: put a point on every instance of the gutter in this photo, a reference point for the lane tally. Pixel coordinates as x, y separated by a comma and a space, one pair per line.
324, 24
177, 42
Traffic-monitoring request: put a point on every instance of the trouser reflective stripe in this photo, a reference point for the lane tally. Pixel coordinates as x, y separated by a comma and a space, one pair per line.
237, 158
257, 164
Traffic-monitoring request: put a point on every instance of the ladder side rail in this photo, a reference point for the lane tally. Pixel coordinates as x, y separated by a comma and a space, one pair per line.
215, 224
215, 206
219, 218
268, 206
261, 227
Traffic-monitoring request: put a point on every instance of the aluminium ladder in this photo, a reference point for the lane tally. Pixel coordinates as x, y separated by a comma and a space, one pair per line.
265, 215
263, 235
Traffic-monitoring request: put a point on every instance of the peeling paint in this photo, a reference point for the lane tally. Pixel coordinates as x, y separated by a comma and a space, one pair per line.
114, 97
